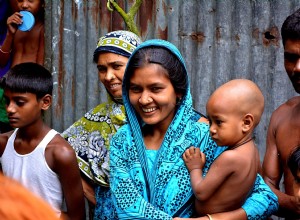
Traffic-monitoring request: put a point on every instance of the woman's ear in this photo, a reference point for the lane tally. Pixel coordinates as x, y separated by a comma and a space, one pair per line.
46, 102
248, 122
178, 99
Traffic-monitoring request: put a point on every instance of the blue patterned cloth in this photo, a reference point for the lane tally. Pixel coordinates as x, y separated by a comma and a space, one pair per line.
165, 190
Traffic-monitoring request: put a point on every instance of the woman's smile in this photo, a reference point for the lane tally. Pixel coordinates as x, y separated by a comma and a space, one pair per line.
148, 110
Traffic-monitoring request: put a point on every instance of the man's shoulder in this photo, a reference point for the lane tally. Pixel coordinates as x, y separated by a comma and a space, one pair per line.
293, 102
286, 108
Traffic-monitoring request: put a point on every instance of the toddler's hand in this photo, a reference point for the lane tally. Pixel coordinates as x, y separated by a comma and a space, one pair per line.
13, 21
194, 158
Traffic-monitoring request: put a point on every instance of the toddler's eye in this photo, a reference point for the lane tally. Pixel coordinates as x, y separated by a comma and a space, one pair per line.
218, 122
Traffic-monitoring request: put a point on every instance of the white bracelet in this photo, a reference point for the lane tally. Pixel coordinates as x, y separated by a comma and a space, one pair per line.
209, 216
4, 51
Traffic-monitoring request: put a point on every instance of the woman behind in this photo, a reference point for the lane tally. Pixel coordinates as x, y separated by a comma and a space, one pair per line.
90, 135
148, 177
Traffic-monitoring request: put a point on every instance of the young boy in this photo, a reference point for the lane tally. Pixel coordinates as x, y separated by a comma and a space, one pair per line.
24, 46
294, 166
34, 154
233, 110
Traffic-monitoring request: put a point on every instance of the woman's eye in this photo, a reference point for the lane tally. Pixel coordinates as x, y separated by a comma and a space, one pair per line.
155, 89
101, 69
134, 89
117, 67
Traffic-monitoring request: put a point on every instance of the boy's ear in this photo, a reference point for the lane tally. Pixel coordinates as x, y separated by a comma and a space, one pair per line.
248, 122
46, 101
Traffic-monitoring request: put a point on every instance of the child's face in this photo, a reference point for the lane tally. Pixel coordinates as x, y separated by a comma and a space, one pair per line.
32, 6
22, 109
225, 123
296, 185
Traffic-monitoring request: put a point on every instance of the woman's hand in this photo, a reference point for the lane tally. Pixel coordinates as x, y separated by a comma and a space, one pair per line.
88, 191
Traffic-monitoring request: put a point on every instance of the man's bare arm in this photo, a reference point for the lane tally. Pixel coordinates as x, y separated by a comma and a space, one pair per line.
272, 172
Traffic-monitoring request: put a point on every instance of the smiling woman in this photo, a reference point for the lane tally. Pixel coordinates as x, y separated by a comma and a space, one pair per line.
90, 136
111, 69
148, 177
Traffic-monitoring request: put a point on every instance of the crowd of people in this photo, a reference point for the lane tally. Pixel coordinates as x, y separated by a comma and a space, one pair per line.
146, 153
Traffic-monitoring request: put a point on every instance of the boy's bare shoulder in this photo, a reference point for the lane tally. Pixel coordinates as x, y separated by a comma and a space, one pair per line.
4, 137
61, 149
3, 140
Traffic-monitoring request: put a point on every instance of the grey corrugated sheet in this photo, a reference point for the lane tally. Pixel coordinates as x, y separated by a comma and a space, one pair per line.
220, 40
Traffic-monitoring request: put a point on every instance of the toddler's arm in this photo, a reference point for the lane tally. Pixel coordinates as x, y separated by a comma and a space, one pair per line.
12, 25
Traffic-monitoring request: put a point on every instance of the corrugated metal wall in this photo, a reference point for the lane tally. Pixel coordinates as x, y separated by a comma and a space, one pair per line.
220, 40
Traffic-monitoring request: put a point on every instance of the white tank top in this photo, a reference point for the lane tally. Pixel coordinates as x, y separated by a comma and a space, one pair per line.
33, 171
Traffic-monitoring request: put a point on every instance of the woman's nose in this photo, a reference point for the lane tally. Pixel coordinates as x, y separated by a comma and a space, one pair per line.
145, 98
109, 75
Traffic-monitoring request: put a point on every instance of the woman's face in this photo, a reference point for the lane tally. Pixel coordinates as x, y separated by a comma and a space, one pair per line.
111, 68
152, 95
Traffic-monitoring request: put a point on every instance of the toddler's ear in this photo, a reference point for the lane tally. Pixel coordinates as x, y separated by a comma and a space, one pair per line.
248, 122
46, 102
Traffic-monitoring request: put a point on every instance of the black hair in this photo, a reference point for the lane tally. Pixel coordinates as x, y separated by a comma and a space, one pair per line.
163, 57
28, 77
291, 27
41, 13
294, 161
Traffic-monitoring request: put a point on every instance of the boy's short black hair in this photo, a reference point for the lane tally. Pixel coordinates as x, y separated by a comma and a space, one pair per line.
294, 161
28, 77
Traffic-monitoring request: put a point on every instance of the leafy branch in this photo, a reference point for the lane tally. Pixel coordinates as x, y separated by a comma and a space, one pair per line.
127, 17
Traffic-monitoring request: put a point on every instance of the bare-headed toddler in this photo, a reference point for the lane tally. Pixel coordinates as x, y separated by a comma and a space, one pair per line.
233, 111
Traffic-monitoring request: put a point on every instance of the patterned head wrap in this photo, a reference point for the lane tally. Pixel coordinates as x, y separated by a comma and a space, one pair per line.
119, 42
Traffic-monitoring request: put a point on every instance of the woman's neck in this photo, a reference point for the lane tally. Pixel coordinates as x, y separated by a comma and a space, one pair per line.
153, 137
